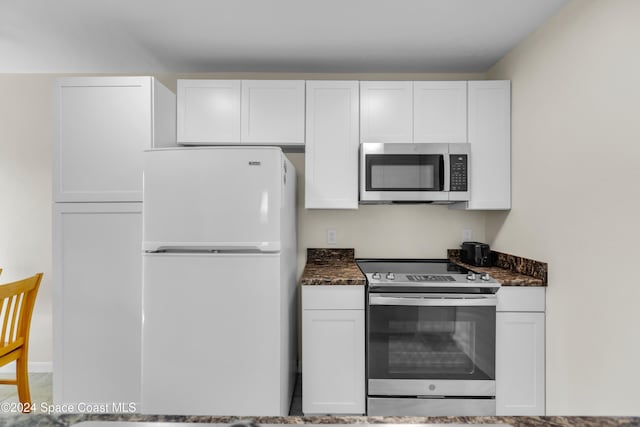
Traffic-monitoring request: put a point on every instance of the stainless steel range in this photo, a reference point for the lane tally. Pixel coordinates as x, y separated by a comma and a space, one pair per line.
430, 338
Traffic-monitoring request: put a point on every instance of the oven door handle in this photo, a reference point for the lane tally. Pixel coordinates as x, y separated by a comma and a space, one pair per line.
426, 300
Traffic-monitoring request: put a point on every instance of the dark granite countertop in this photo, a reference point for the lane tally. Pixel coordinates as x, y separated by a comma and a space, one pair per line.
331, 267
32, 420
338, 267
509, 270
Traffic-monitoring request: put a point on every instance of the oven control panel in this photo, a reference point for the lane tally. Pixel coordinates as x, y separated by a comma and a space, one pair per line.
400, 282
391, 277
424, 276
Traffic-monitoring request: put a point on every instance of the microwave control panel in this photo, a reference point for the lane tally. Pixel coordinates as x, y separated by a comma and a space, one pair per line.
458, 173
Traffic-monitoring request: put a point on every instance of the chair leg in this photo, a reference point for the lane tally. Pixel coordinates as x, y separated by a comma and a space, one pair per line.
22, 376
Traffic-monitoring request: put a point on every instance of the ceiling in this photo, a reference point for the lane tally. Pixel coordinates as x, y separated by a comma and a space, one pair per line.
194, 36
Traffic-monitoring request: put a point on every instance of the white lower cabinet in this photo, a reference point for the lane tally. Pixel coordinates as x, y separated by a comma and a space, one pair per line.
520, 351
97, 302
333, 372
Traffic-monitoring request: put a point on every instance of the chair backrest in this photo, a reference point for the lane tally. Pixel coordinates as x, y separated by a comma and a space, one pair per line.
16, 306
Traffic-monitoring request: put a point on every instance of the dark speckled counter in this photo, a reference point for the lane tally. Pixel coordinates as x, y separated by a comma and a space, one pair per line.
71, 419
331, 267
509, 270
338, 267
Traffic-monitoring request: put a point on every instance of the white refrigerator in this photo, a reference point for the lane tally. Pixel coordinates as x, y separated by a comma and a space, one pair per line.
219, 287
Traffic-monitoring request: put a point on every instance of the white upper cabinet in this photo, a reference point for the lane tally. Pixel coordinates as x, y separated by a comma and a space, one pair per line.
421, 111
101, 125
208, 111
440, 111
272, 112
223, 112
331, 150
386, 111
489, 133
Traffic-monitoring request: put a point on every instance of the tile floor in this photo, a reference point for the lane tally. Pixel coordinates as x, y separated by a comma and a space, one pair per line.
40, 384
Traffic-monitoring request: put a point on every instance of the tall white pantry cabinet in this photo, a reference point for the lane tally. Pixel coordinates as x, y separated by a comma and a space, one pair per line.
101, 126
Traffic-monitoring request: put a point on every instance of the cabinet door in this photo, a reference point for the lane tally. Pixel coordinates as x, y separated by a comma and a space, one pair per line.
386, 111
97, 302
333, 357
490, 139
331, 158
101, 126
208, 111
272, 112
440, 111
520, 363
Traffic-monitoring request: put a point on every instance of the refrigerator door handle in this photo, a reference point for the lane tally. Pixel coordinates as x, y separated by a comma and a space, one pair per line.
186, 247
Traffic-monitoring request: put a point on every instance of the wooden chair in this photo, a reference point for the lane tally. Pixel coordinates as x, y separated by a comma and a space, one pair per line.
16, 306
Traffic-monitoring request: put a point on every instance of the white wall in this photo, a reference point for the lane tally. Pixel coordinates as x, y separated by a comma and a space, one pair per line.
576, 202
25, 196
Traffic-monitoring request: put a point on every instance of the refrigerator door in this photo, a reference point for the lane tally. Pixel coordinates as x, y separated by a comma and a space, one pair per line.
211, 334
222, 198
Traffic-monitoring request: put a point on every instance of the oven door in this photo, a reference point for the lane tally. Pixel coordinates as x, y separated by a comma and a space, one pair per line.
431, 345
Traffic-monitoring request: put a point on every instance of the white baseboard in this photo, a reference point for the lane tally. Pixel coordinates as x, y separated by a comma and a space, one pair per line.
34, 367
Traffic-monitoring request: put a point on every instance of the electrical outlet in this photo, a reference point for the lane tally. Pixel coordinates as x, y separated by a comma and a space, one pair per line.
467, 235
332, 236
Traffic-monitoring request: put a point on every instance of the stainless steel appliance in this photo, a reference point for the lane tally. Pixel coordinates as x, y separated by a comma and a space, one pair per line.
414, 173
430, 339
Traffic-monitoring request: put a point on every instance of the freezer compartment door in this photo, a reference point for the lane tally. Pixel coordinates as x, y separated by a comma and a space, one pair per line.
211, 334
213, 198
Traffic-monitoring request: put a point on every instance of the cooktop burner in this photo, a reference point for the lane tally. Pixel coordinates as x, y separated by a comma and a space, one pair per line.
424, 275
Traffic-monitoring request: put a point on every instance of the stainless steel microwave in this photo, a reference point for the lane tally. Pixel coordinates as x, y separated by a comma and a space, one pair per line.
414, 173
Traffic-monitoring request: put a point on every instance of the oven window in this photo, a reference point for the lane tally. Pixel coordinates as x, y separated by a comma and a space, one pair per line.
408, 342
404, 172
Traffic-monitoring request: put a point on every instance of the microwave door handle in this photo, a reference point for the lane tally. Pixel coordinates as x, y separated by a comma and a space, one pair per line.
447, 172
432, 302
